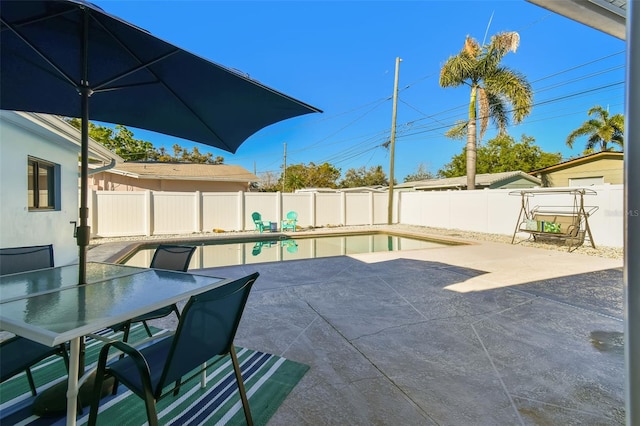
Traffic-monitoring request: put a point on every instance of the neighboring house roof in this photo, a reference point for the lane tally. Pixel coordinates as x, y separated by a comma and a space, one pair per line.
580, 160
330, 190
375, 188
184, 171
482, 180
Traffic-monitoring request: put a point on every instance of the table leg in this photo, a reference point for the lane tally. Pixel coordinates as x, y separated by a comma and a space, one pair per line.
72, 388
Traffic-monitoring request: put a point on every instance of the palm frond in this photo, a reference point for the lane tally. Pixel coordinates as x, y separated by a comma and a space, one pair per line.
484, 103
498, 112
458, 131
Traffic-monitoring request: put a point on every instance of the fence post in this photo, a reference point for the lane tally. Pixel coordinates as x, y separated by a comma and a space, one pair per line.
241, 210
148, 213
371, 208
197, 205
343, 208
312, 209
278, 207
93, 215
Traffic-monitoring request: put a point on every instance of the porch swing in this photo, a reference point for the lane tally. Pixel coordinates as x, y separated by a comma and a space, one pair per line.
569, 223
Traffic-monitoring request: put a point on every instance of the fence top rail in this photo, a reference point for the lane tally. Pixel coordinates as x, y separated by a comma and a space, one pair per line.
533, 192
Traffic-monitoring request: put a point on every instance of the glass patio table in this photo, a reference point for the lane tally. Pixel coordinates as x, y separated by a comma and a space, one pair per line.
47, 305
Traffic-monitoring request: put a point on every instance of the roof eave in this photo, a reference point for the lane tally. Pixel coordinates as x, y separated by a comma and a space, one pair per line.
599, 14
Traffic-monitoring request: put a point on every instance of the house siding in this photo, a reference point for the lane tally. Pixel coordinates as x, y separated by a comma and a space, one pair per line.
610, 169
113, 182
20, 138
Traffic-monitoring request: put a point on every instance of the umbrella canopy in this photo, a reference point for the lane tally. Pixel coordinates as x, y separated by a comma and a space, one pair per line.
70, 58
133, 78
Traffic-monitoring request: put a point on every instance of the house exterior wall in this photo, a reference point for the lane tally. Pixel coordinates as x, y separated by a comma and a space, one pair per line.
113, 182
610, 169
19, 139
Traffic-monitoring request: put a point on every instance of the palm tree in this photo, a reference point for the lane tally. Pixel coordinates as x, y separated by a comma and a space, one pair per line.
493, 87
601, 130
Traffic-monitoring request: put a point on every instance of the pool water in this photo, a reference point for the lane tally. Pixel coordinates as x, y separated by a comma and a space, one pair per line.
212, 254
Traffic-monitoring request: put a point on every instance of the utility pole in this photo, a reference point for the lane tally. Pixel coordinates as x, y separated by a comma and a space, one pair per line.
392, 141
284, 167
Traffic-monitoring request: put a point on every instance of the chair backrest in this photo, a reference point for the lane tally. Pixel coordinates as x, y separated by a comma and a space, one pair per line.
293, 216
207, 327
21, 259
257, 217
172, 257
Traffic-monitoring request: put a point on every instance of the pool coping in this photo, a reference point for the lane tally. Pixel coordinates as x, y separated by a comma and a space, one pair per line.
121, 254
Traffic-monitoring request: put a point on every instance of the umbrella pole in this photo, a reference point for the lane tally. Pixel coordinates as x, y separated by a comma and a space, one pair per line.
84, 232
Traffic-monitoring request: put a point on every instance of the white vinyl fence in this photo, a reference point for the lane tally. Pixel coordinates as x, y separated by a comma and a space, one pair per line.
116, 213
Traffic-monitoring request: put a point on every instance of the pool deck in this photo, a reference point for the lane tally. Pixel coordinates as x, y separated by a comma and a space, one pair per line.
480, 334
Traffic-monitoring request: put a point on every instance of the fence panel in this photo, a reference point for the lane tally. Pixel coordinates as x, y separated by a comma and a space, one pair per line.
174, 212
358, 208
381, 208
265, 203
120, 214
221, 210
299, 203
328, 209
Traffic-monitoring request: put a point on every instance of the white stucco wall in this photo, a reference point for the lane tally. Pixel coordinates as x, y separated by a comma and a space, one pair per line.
20, 138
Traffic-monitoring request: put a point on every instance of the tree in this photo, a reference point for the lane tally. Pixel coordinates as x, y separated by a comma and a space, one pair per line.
354, 178
493, 87
298, 176
504, 154
120, 142
600, 130
268, 182
421, 174
123, 143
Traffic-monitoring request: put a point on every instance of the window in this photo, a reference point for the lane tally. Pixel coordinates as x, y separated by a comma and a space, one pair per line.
586, 181
43, 184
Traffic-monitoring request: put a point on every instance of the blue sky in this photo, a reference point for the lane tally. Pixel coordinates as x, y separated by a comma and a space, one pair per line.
339, 56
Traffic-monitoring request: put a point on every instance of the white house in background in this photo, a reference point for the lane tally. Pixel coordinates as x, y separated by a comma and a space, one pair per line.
39, 181
502, 180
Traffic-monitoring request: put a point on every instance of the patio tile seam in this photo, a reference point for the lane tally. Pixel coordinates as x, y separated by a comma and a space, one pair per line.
373, 364
295, 339
559, 302
428, 319
489, 315
498, 376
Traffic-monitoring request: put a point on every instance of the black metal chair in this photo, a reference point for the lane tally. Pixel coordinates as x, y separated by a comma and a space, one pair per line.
206, 330
169, 257
18, 354
21, 259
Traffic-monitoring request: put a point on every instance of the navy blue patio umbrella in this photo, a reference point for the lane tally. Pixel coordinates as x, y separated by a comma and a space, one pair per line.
71, 58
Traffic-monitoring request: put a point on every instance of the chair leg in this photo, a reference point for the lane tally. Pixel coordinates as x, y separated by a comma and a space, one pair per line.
127, 329
65, 355
146, 327
241, 389
150, 404
95, 402
32, 384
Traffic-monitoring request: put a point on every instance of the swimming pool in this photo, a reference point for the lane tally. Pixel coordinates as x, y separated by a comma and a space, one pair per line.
212, 253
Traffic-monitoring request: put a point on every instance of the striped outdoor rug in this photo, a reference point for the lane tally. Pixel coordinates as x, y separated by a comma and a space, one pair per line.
268, 380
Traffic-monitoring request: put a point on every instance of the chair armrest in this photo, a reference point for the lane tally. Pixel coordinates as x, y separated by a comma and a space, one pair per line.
140, 362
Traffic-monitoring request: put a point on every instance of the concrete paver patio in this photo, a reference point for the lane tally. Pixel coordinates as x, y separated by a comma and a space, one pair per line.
482, 334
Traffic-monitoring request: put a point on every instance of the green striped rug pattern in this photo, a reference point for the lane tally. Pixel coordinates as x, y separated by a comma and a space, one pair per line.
268, 380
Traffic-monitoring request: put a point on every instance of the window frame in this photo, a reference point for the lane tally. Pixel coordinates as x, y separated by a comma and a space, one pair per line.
33, 184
